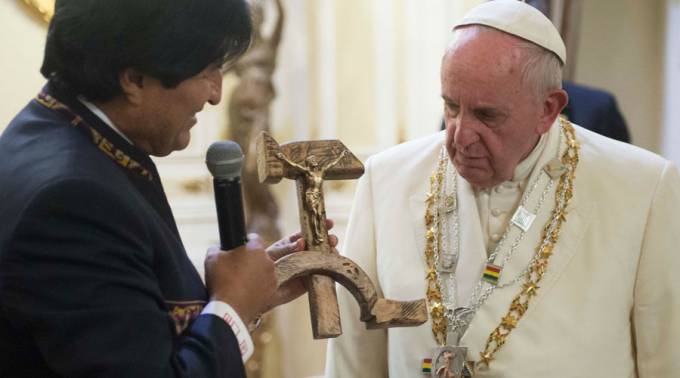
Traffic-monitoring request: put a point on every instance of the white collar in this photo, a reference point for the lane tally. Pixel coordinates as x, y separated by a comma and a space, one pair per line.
526, 166
99, 113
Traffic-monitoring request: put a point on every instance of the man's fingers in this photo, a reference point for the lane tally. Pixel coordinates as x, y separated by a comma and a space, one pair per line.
295, 237
254, 243
283, 248
295, 243
333, 240
298, 245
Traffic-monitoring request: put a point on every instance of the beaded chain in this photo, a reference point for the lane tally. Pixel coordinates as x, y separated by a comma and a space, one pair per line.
434, 293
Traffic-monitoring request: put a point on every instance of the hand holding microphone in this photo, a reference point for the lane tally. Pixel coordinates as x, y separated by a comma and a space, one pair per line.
241, 272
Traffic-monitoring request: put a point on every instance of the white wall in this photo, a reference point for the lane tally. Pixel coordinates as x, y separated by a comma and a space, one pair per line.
22, 38
621, 50
670, 146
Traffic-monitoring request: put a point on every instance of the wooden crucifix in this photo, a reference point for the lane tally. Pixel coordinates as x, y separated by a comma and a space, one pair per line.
309, 164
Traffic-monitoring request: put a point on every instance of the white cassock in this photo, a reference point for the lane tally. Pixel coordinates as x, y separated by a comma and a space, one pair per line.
608, 305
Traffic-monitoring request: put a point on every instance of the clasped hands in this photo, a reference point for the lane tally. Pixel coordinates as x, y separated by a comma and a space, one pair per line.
245, 279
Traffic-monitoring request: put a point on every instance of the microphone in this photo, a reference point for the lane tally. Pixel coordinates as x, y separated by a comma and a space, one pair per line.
225, 160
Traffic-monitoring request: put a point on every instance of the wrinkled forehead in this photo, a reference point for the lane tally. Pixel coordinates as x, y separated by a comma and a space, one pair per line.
485, 44
482, 54
482, 67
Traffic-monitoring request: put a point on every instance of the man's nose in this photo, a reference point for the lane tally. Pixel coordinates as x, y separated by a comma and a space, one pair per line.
215, 88
465, 133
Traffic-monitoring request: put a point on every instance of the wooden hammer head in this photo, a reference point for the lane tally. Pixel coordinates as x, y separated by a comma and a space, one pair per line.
271, 169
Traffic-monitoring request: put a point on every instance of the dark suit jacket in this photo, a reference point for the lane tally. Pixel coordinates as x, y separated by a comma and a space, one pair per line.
596, 110
94, 279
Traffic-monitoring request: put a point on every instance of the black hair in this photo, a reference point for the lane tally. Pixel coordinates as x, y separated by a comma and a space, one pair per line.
91, 42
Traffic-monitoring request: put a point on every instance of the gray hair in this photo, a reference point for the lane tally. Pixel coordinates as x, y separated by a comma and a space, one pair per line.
541, 69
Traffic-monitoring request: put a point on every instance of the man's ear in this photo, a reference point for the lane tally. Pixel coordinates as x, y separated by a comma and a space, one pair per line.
552, 107
132, 83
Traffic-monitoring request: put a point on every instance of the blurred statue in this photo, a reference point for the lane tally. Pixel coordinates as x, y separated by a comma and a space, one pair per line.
249, 109
249, 115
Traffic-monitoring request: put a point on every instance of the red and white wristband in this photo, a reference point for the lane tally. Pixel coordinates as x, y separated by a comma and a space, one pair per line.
227, 313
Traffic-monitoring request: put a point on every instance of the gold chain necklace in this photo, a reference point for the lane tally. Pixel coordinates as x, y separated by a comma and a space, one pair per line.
537, 269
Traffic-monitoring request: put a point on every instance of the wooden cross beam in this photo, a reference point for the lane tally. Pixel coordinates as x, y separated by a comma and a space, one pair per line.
309, 164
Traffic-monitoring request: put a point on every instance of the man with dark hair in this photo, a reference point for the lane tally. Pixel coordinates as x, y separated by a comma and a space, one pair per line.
94, 280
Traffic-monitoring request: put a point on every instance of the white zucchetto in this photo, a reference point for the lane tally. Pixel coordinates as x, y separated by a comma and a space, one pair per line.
519, 19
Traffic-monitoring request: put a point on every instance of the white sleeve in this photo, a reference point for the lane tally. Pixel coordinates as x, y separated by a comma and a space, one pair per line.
657, 289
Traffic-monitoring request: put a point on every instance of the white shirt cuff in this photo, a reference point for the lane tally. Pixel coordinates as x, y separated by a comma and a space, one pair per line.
227, 313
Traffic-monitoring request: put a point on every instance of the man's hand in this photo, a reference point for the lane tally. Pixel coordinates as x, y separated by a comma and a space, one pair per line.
243, 277
291, 244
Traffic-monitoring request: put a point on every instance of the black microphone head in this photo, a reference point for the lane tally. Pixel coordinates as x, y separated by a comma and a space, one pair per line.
224, 159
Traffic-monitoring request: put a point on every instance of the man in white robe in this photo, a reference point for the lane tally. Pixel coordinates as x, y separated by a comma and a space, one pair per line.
600, 297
